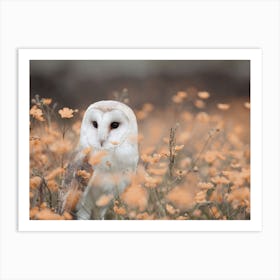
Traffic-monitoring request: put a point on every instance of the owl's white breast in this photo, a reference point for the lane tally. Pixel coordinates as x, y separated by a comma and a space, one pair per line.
116, 167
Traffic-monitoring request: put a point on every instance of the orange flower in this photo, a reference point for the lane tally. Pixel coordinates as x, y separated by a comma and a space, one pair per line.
182, 94
148, 107
235, 165
72, 198
178, 148
183, 137
67, 113
197, 213
141, 115
203, 94
56, 172
187, 116
119, 210
152, 182
85, 175
181, 218
135, 197
220, 180
35, 182
87, 151
37, 113
97, 157
144, 216
247, 105
179, 97
151, 159
205, 186
33, 212
223, 106
76, 127
210, 156
215, 212
104, 200
181, 198
171, 210
67, 216
200, 197
185, 162
52, 185
203, 117
47, 214
47, 101
239, 197
199, 104
157, 171
180, 173
62, 146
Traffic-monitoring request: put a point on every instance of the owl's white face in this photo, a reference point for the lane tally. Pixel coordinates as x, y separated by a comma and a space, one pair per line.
106, 129
107, 125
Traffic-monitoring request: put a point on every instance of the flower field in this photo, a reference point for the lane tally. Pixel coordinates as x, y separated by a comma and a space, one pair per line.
194, 160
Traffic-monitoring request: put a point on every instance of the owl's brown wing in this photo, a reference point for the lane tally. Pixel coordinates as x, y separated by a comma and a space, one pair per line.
77, 175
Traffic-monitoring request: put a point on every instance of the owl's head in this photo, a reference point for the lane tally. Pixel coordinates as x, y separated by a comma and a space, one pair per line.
107, 124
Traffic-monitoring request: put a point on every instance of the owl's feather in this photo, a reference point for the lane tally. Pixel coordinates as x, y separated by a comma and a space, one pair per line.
112, 173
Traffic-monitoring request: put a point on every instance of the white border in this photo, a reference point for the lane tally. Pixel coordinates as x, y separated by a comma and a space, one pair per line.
254, 55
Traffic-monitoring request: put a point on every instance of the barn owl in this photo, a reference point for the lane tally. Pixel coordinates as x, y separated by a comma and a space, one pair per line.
109, 128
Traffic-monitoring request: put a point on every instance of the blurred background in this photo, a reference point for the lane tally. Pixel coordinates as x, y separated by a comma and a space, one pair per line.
79, 83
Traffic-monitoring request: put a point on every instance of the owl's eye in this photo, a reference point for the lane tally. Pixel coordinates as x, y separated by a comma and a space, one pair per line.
94, 123
115, 125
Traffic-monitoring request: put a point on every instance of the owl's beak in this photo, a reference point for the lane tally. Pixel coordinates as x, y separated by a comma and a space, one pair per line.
102, 142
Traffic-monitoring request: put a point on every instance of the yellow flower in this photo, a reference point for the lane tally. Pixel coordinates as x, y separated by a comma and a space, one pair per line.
67, 113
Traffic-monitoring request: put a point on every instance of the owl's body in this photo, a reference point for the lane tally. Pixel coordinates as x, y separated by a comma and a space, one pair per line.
109, 129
